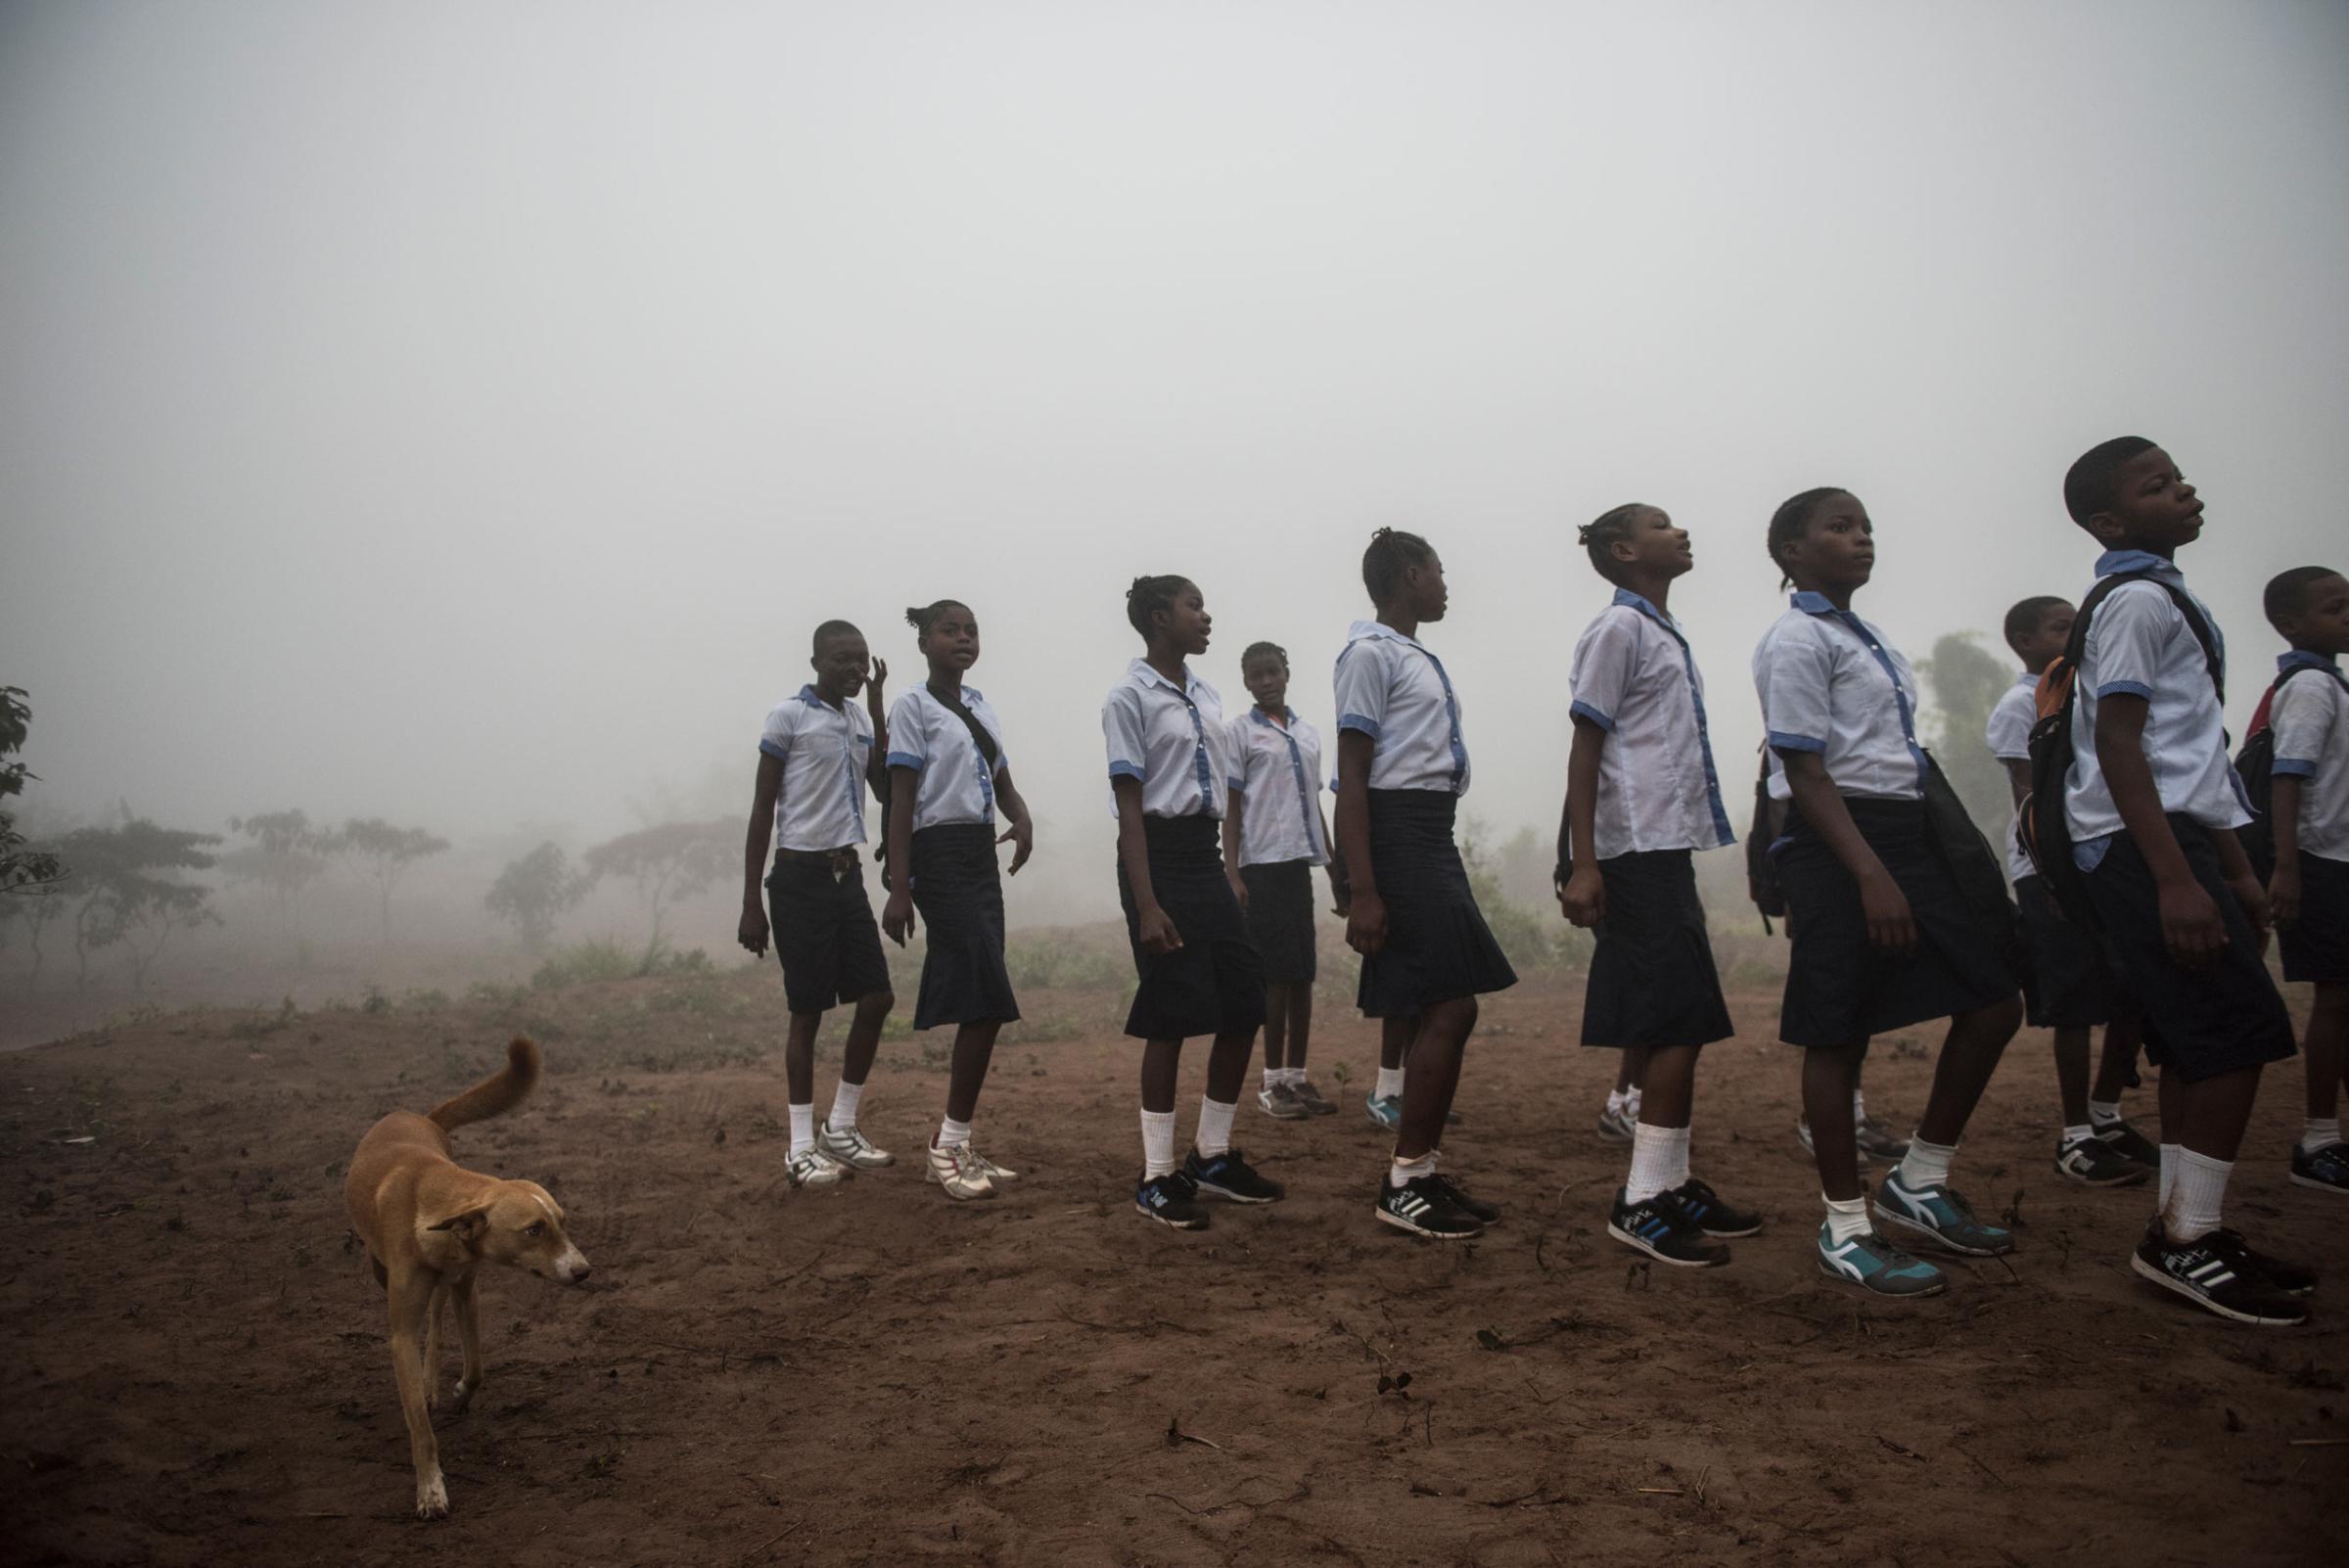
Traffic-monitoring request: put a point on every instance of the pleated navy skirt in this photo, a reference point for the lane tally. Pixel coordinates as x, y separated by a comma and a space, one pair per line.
1214, 984
1438, 947
959, 895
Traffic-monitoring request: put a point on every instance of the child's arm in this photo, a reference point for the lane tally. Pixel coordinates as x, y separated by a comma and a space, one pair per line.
2190, 927
1341, 891
1235, 803
1890, 923
2018, 779
2284, 818
1157, 930
1366, 911
1582, 897
896, 915
2243, 882
876, 767
1021, 835
751, 932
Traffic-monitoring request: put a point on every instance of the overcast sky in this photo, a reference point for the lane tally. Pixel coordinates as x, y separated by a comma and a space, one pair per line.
464, 413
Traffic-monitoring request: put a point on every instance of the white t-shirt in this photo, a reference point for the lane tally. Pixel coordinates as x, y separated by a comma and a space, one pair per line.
1635, 678
824, 750
1282, 789
1392, 689
2009, 735
954, 783
2310, 715
1171, 738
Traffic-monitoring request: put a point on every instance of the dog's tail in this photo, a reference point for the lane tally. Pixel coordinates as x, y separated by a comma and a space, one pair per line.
494, 1095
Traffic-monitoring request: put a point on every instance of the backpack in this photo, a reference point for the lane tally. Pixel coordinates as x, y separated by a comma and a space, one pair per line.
2045, 833
2255, 766
1761, 872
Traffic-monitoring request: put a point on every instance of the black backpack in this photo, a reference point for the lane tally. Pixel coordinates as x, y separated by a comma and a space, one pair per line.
1761, 872
2047, 835
2255, 766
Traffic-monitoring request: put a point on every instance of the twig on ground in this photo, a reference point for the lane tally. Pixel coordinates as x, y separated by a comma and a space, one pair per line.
1177, 1436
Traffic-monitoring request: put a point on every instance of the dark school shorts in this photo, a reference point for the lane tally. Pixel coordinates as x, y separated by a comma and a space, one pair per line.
2199, 1022
2067, 981
958, 892
2316, 946
1438, 947
1280, 918
1842, 989
1214, 984
825, 936
1653, 980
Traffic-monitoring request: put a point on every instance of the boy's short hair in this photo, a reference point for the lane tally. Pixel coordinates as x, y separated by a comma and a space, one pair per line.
2088, 486
2287, 592
2028, 615
830, 630
1599, 535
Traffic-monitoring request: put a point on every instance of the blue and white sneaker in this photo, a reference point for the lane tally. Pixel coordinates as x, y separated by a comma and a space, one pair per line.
1656, 1227
1876, 1266
1385, 1113
1171, 1200
1940, 1216
2327, 1169
1706, 1209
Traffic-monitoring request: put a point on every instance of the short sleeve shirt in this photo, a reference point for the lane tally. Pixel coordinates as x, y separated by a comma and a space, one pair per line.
954, 782
1281, 770
1834, 684
1392, 689
1171, 737
824, 752
2009, 733
1635, 679
2310, 716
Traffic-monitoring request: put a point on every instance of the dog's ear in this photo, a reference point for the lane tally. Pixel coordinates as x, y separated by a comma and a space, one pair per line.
467, 1225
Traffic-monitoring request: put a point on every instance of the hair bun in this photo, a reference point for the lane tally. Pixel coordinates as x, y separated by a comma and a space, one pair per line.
913, 617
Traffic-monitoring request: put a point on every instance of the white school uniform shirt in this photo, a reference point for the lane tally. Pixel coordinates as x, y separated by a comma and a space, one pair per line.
2009, 733
824, 750
2309, 717
2138, 642
954, 782
1173, 739
1834, 684
1392, 689
1282, 789
1635, 678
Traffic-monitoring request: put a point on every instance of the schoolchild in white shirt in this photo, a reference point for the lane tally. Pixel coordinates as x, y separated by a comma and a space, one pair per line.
1402, 765
2068, 986
1171, 778
950, 790
1883, 935
1642, 796
1280, 835
817, 756
2308, 808
2151, 803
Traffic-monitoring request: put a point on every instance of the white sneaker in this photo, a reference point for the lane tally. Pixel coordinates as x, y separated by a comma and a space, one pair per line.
994, 1172
960, 1172
813, 1167
850, 1147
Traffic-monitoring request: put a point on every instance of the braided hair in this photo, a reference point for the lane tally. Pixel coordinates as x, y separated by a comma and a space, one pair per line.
1791, 520
922, 617
1264, 650
1147, 596
1390, 554
1600, 535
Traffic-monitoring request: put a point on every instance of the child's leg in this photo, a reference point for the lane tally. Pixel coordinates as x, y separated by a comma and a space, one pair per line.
974, 1048
1394, 1043
1277, 1028
857, 1056
1668, 1084
1161, 1062
1830, 1076
799, 1078
2327, 1046
1433, 1075
1660, 1142
2213, 1115
1969, 1054
2071, 1076
1301, 1023
2117, 1061
1227, 1074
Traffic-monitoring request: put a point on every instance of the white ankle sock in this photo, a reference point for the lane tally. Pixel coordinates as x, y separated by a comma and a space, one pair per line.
1616, 1100
1390, 1084
2103, 1113
951, 1132
1402, 1173
803, 1127
1292, 1076
2075, 1134
2323, 1133
2196, 1197
1926, 1165
1214, 1128
1158, 1143
1659, 1160
2168, 1178
843, 1104
1858, 1107
1276, 1075
1846, 1217
1630, 1104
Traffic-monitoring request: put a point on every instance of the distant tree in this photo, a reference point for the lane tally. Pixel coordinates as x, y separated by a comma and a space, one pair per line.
671, 861
383, 854
1967, 681
24, 868
282, 853
132, 889
535, 890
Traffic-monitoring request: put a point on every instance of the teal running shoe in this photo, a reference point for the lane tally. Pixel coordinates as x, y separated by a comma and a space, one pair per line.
1940, 1216
1876, 1266
1386, 1113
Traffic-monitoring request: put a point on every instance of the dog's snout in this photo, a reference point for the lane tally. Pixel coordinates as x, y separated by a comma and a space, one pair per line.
573, 1268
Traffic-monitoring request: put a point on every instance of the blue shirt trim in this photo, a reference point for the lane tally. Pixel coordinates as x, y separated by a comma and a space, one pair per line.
1355, 722
1583, 710
2294, 767
767, 748
2125, 688
906, 760
1818, 604
1126, 771
1780, 740
1696, 700
1304, 790
2302, 659
2089, 854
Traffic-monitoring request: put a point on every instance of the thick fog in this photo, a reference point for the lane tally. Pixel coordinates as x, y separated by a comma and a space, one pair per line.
462, 415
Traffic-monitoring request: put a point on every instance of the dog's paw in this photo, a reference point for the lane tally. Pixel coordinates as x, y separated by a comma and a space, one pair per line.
431, 1498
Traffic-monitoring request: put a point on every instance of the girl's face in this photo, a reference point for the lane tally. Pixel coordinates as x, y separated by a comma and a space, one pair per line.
1837, 547
1267, 680
1656, 545
953, 640
1186, 624
1424, 592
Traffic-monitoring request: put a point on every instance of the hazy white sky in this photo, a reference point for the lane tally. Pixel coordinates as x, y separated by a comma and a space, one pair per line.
463, 414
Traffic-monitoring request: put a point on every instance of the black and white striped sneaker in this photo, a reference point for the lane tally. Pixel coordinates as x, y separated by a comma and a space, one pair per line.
2213, 1273
1656, 1227
2093, 1162
1422, 1207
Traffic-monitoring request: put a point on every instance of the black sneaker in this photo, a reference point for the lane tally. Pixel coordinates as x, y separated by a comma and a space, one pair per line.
2290, 1278
2213, 1273
1171, 1200
2095, 1163
1482, 1213
2327, 1169
1423, 1208
1311, 1098
2131, 1142
1655, 1226
1702, 1209
1230, 1178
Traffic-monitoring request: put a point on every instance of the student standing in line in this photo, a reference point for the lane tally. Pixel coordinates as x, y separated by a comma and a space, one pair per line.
1883, 937
1402, 765
948, 772
2068, 984
1641, 797
817, 754
1278, 836
1171, 778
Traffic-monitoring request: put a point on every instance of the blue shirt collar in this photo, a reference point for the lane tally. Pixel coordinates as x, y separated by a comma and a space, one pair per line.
1815, 604
2302, 659
1640, 603
808, 695
1147, 674
1258, 713
2114, 562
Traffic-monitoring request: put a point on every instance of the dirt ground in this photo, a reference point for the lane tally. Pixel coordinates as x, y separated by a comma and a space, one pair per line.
196, 1369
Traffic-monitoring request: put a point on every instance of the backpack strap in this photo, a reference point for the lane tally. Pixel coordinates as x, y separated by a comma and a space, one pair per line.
952, 701
2076, 647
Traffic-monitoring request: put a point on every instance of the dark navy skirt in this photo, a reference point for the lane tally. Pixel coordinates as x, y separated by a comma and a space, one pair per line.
1280, 917
1214, 984
1439, 948
959, 895
1653, 980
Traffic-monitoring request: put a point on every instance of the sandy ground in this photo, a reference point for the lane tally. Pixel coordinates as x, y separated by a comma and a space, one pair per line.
196, 1371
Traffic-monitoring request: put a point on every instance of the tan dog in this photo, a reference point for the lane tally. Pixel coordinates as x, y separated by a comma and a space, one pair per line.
429, 1225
